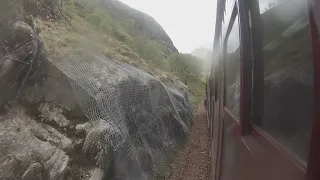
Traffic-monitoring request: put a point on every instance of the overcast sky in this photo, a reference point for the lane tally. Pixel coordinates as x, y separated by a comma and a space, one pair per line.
189, 23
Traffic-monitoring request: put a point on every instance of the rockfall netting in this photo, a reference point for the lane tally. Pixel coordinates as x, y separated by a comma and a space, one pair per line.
136, 122
82, 116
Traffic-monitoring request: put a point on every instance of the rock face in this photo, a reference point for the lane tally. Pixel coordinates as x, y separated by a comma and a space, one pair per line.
145, 23
83, 116
27, 150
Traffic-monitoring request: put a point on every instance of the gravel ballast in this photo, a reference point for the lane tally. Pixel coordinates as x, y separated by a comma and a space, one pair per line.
194, 163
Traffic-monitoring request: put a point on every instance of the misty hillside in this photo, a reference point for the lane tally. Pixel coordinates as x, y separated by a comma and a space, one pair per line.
122, 34
202, 53
108, 27
205, 55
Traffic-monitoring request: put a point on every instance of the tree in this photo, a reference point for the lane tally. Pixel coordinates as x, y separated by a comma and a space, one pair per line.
129, 25
147, 49
186, 66
94, 19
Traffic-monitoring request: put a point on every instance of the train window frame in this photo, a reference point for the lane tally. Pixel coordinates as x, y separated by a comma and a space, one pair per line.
231, 23
258, 93
311, 170
241, 10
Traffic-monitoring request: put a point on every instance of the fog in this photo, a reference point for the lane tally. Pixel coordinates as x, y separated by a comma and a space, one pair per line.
190, 24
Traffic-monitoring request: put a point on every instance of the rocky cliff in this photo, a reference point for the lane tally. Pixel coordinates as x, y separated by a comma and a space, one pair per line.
81, 116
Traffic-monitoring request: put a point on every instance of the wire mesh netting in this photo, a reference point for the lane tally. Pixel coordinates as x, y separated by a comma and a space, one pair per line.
129, 125
130, 112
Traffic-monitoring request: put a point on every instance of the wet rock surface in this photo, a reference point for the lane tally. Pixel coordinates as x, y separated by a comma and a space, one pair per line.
25, 155
48, 132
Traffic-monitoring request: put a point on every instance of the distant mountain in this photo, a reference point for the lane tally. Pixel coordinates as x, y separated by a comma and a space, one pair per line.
205, 55
202, 53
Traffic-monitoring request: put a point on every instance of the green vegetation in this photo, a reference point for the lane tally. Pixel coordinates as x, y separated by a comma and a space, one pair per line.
88, 26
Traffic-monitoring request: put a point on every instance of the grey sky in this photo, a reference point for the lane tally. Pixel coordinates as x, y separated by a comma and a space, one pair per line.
190, 24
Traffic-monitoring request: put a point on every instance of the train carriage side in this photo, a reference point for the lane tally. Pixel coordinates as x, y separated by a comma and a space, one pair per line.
263, 91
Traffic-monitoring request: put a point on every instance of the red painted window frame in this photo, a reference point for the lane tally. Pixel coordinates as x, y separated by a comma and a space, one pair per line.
312, 171
225, 116
257, 109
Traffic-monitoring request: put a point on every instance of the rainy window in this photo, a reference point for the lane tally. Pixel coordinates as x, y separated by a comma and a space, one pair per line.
288, 84
232, 64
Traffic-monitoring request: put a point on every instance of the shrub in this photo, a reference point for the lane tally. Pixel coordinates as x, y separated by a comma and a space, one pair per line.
121, 35
107, 26
129, 25
94, 19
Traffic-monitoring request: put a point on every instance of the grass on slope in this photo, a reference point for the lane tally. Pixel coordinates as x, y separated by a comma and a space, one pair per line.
88, 27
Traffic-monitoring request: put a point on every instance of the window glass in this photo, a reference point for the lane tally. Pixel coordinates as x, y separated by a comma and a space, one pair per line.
232, 64
229, 6
288, 84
